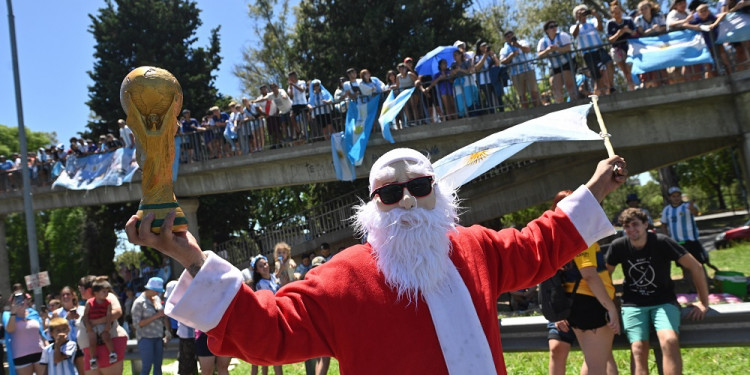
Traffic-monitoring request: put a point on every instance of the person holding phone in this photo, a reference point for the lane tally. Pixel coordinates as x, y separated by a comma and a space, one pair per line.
25, 336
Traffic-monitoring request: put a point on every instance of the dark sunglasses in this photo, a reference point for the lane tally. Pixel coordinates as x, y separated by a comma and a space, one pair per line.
392, 193
552, 26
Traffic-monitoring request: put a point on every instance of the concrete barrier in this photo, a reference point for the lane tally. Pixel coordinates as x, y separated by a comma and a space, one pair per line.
724, 325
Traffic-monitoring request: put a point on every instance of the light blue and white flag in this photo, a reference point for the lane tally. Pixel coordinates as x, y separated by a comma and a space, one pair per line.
344, 169
89, 172
467, 163
735, 27
391, 108
359, 120
678, 48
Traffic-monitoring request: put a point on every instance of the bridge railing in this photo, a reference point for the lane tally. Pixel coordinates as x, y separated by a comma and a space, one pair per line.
326, 218
427, 106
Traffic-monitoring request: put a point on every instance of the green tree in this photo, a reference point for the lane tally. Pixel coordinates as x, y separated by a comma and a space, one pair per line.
59, 245
712, 173
9, 140
332, 36
273, 58
133, 33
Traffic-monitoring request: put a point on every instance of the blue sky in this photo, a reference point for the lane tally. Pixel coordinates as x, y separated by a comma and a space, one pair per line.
53, 60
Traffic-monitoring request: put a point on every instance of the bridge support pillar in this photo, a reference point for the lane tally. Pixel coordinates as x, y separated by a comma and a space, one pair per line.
4, 261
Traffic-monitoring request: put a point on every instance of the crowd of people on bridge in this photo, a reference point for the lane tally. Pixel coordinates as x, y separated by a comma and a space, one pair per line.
572, 64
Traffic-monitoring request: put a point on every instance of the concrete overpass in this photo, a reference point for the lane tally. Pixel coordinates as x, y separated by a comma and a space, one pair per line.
650, 128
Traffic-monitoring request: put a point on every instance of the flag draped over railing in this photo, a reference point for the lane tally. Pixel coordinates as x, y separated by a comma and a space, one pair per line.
467, 163
678, 48
359, 120
341, 164
391, 108
90, 172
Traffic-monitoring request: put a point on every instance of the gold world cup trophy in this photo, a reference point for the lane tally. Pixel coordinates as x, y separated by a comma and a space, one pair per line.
152, 99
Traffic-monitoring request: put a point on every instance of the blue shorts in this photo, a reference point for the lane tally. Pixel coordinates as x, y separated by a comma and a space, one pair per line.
637, 320
554, 334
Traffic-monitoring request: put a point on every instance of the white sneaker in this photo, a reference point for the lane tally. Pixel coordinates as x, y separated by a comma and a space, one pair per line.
93, 364
112, 358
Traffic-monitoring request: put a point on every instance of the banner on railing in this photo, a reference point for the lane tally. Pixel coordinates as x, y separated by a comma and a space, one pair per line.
467, 163
90, 172
391, 108
678, 48
359, 120
735, 27
344, 168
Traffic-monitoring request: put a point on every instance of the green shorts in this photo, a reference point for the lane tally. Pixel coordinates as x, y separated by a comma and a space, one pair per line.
638, 320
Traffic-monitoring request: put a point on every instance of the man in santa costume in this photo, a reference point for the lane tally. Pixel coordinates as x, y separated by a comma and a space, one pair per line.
419, 297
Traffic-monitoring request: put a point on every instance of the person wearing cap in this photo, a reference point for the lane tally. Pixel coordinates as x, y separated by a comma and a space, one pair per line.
555, 46
706, 22
678, 222
126, 135
217, 122
461, 45
150, 320
320, 104
190, 126
412, 293
586, 32
236, 117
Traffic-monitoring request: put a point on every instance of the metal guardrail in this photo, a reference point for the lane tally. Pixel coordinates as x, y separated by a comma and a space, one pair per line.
724, 325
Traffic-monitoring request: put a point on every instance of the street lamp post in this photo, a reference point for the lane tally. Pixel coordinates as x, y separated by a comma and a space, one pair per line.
27, 204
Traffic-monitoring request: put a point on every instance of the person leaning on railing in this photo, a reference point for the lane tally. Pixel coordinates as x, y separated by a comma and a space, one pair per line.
650, 23
513, 54
556, 46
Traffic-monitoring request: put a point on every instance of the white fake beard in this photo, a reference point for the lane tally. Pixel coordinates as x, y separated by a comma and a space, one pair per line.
411, 247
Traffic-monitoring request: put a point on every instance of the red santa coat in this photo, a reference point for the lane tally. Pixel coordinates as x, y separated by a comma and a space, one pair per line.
344, 308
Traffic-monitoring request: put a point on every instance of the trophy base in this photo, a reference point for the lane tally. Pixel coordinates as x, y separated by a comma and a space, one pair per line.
160, 211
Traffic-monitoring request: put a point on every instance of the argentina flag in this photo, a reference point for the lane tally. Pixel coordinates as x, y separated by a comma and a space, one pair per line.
678, 48
467, 163
391, 108
359, 120
735, 27
344, 169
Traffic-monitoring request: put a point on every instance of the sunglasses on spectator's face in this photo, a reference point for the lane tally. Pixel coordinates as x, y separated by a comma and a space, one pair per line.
392, 193
552, 26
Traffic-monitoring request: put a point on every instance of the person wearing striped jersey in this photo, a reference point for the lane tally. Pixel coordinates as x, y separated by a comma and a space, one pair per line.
58, 358
586, 31
555, 46
678, 220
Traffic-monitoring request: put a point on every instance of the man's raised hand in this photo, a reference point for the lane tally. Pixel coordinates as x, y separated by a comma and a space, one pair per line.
180, 246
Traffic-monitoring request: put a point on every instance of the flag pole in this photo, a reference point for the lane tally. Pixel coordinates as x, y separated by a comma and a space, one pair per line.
604, 134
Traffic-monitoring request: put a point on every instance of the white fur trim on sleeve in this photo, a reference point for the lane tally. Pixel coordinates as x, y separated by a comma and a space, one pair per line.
200, 302
587, 215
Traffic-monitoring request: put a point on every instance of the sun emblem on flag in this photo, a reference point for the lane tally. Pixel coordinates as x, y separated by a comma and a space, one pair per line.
477, 157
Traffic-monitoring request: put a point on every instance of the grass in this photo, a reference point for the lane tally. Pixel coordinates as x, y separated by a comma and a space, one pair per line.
725, 361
